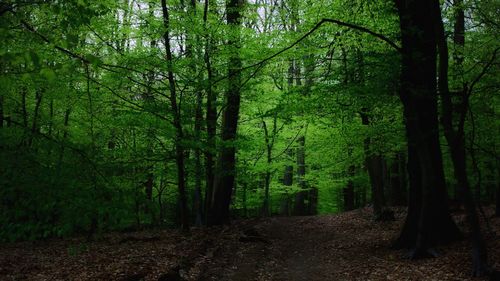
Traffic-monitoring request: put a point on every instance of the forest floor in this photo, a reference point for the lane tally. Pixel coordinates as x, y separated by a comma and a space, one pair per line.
347, 246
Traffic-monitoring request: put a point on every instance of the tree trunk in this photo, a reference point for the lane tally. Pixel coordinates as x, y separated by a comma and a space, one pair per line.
428, 221
24, 93
497, 211
1, 111
348, 191
198, 119
267, 183
36, 114
287, 181
226, 164
288, 173
179, 149
374, 165
62, 143
398, 181
211, 118
198, 199
148, 186
455, 137
299, 207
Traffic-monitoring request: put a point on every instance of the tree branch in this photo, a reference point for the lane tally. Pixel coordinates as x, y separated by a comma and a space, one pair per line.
317, 26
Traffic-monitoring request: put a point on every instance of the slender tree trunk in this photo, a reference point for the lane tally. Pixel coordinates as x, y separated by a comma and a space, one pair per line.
497, 211
428, 222
299, 208
288, 173
65, 136
398, 181
198, 199
193, 53
224, 181
36, 114
308, 193
348, 191
51, 117
24, 93
374, 165
265, 205
148, 186
287, 181
211, 117
456, 137
312, 193
1, 111
179, 149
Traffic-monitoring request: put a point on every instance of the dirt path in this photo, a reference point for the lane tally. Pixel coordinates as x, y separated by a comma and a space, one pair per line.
348, 246
306, 248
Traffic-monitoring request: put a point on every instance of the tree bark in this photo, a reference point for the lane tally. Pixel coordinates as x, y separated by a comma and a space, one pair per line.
224, 181
428, 221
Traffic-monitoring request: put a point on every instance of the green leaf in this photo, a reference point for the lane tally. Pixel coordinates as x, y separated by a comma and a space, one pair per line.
48, 74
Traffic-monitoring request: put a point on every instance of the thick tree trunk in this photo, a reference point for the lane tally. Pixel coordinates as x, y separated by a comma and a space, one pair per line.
179, 149
428, 222
226, 164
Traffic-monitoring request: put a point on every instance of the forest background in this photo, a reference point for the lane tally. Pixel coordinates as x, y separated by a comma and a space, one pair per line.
130, 114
